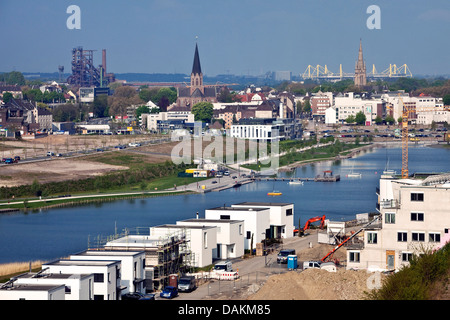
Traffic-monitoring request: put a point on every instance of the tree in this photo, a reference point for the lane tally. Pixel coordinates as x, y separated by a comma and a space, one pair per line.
446, 100
142, 109
360, 118
203, 111
350, 119
378, 120
389, 119
101, 106
7, 96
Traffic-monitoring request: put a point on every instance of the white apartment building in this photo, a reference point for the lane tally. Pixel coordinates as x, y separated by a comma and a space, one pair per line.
201, 241
350, 105
256, 221
132, 266
281, 217
433, 114
76, 286
261, 132
153, 118
106, 275
415, 217
32, 292
230, 236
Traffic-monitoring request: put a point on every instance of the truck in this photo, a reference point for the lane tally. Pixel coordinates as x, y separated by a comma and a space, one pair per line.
282, 256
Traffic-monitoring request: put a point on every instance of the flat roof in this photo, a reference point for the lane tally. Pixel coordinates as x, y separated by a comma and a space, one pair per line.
33, 287
53, 275
82, 263
211, 220
109, 253
267, 204
238, 209
178, 226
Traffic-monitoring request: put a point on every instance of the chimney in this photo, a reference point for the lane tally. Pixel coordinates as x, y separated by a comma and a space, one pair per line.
104, 61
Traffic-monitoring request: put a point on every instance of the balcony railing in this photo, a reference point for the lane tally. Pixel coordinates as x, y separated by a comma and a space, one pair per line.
390, 204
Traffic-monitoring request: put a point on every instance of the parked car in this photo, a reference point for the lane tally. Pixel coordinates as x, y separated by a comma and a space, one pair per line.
9, 160
187, 284
17, 158
59, 155
134, 144
282, 256
169, 292
226, 173
214, 181
137, 296
50, 153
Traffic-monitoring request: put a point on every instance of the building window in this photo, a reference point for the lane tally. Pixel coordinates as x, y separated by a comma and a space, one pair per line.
354, 256
418, 236
416, 196
434, 237
224, 217
402, 236
372, 237
240, 229
289, 212
67, 289
416, 216
99, 277
389, 217
249, 235
205, 240
406, 256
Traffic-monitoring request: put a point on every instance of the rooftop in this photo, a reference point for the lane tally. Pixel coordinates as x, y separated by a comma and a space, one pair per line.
263, 204
200, 220
238, 209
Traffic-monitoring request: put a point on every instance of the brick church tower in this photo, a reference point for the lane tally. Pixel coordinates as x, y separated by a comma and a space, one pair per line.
360, 69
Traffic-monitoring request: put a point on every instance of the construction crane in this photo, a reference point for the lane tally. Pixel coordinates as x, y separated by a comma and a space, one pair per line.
405, 114
329, 254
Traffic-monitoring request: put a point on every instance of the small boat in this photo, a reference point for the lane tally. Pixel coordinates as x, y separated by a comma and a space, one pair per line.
274, 193
295, 182
354, 175
236, 184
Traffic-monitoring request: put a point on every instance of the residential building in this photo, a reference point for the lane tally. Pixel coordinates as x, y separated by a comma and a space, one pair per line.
156, 121
350, 104
106, 275
132, 264
76, 286
436, 114
281, 217
414, 215
230, 236
163, 255
201, 241
258, 129
320, 102
9, 291
256, 221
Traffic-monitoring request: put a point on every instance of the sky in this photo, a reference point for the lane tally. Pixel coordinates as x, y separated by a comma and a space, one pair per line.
241, 37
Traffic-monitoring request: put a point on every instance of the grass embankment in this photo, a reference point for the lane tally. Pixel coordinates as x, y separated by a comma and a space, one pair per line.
140, 177
314, 154
426, 278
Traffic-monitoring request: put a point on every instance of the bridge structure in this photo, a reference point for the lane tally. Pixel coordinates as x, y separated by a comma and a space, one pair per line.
319, 72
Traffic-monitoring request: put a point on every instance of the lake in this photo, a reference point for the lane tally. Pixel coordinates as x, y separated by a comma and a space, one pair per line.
54, 233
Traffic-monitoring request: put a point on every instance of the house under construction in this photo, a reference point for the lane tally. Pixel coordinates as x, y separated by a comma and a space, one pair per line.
164, 256
84, 73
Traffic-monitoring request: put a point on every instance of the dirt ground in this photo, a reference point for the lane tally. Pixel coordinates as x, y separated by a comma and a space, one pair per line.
316, 284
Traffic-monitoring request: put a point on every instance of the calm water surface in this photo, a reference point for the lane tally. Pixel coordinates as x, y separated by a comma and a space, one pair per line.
54, 233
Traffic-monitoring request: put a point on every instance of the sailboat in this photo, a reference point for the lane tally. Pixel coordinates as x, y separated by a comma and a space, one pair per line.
295, 182
353, 174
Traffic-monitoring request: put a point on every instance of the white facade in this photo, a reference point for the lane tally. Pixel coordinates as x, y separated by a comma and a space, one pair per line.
230, 236
349, 105
256, 221
331, 115
429, 115
415, 217
266, 132
77, 286
32, 292
281, 217
153, 118
202, 241
106, 275
132, 266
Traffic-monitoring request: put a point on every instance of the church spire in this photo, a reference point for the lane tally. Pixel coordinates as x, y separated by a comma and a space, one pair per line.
360, 68
196, 68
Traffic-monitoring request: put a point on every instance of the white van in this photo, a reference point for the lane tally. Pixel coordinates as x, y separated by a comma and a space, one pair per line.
311, 264
224, 266
329, 266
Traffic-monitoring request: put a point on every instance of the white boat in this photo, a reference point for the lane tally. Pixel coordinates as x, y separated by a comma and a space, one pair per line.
296, 182
354, 175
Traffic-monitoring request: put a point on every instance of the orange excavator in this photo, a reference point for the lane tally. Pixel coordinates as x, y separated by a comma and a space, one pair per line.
312, 220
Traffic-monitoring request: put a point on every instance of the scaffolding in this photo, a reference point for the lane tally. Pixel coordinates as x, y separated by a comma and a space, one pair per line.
164, 255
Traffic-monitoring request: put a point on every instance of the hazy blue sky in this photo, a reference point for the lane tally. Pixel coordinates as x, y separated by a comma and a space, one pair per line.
234, 36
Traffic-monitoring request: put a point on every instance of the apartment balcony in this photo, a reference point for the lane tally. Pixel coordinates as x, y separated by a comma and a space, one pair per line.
390, 204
